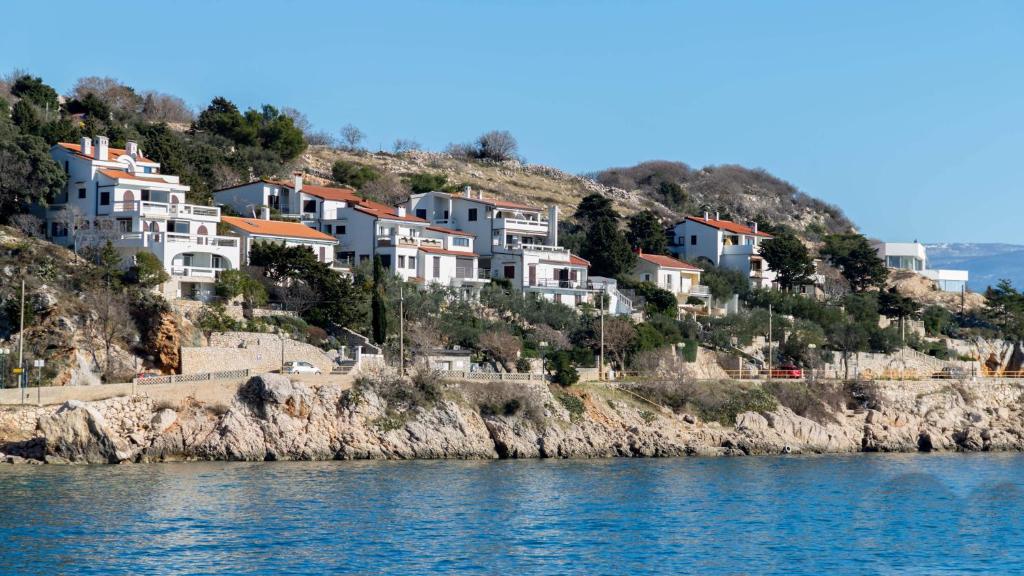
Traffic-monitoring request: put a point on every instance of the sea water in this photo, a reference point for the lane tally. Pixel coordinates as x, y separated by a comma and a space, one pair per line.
857, 514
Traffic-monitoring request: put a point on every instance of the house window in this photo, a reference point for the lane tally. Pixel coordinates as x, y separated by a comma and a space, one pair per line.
339, 230
693, 240
401, 261
421, 213
104, 198
510, 272
58, 229
472, 214
647, 277
218, 262
461, 242
145, 195
412, 262
177, 226
309, 206
437, 267
328, 228
81, 193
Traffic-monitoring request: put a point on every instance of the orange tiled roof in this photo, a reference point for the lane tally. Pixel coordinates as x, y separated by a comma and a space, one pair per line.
112, 153
324, 192
382, 211
577, 261
666, 261
728, 226
276, 228
123, 175
432, 250
444, 230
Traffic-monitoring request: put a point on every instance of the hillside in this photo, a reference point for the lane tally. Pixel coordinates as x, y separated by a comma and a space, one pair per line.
734, 191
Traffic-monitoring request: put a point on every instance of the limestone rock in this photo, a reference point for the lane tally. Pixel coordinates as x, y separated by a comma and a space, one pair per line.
163, 420
79, 433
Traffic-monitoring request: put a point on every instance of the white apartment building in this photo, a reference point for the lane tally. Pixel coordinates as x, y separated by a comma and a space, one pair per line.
363, 230
515, 242
723, 243
120, 195
913, 256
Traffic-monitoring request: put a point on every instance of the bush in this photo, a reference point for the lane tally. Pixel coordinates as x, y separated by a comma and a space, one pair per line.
560, 366
352, 174
148, 271
504, 398
572, 403
809, 399
719, 401
523, 365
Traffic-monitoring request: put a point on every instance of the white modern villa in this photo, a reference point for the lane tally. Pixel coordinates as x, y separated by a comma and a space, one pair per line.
120, 195
723, 243
913, 257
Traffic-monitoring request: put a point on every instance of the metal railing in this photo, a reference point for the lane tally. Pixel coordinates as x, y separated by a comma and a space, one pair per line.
200, 377
195, 271
169, 209
492, 376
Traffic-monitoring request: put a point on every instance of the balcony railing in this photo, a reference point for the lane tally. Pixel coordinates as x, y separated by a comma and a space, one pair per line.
537, 248
150, 209
554, 283
199, 240
410, 241
700, 290
195, 272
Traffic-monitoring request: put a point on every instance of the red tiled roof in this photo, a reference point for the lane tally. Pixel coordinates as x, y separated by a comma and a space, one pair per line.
506, 204
666, 261
432, 250
728, 226
577, 261
386, 212
444, 230
112, 153
324, 192
276, 228
123, 175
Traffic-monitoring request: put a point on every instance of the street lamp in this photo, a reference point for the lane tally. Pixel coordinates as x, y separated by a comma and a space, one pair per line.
38, 364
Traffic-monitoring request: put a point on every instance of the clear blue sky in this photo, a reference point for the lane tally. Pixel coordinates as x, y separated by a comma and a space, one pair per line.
909, 115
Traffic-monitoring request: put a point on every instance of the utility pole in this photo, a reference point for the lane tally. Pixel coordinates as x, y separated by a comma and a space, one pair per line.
600, 370
769, 341
21, 342
401, 327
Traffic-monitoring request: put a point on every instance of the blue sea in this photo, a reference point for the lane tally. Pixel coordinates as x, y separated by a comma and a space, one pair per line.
858, 514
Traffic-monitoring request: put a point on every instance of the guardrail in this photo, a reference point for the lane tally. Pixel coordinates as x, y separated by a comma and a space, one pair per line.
199, 377
492, 376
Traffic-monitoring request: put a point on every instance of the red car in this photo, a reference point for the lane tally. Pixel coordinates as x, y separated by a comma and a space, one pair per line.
787, 371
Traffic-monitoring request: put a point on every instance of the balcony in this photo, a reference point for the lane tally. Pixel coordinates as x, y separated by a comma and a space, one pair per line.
523, 225
195, 272
410, 241
542, 248
164, 210
700, 291
473, 276
740, 250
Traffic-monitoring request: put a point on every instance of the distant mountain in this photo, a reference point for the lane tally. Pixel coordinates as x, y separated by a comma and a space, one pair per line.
987, 263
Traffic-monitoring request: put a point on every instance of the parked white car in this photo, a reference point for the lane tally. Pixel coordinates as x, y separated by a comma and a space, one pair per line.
300, 367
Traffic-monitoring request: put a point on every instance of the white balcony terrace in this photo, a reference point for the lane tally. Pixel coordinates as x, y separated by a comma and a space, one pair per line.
167, 210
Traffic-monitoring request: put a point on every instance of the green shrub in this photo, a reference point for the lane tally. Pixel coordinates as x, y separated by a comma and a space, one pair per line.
572, 403
523, 365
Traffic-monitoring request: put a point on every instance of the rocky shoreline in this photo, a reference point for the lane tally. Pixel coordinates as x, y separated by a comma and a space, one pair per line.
273, 418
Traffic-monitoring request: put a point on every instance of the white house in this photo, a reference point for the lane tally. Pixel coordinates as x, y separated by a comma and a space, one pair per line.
254, 230
667, 273
913, 256
120, 195
515, 242
723, 243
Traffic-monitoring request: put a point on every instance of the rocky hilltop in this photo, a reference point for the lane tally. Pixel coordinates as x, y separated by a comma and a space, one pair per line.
273, 418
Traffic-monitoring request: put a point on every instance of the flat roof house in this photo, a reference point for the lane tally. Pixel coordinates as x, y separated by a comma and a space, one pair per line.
913, 257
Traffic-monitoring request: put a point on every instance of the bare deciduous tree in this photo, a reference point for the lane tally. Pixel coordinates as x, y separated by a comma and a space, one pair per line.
502, 346
388, 189
112, 92
497, 145
109, 325
297, 297
555, 339
403, 145
352, 136
159, 107
618, 335
28, 224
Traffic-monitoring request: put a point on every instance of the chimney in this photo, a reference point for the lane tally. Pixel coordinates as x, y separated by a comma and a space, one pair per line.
479, 194
467, 191
755, 226
100, 145
717, 216
86, 146
298, 181
401, 211
552, 225
131, 148
706, 216
264, 212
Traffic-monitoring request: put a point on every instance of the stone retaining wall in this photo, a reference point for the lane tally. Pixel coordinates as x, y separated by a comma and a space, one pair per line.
256, 351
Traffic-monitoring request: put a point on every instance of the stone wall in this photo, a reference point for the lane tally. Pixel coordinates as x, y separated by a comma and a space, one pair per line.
256, 351
910, 360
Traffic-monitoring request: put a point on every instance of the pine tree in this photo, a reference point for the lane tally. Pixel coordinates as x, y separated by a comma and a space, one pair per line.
790, 260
